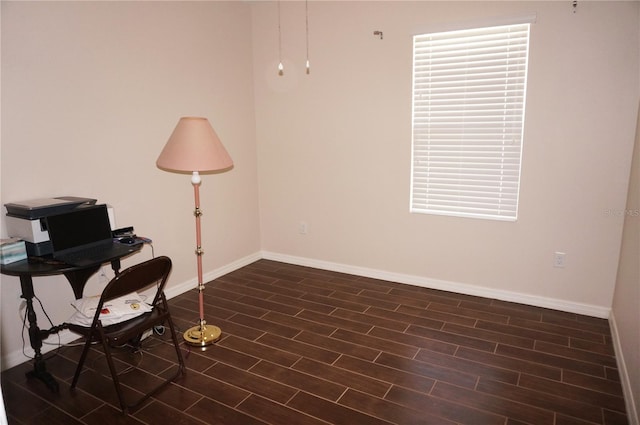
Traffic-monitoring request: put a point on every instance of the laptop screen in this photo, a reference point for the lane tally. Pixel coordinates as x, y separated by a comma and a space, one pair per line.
79, 227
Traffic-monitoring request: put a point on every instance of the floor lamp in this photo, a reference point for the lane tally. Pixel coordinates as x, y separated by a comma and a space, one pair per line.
194, 147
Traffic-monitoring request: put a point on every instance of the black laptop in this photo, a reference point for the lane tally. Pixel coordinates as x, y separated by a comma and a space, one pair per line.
82, 237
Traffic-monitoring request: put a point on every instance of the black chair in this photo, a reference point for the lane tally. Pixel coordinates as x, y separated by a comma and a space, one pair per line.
134, 279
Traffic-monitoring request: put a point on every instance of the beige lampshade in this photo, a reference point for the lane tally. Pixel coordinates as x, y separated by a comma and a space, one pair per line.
194, 146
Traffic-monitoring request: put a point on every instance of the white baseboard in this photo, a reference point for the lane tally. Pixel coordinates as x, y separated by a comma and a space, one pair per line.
65, 337
632, 412
53, 342
17, 357
181, 288
461, 288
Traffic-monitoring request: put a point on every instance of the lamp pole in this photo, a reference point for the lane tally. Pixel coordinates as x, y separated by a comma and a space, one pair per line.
201, 334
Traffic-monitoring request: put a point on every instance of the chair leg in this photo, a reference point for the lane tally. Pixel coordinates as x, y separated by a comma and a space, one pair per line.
83, 357
114, 375
176, 344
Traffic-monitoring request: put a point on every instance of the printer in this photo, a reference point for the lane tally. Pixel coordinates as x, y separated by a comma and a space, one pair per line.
26, 220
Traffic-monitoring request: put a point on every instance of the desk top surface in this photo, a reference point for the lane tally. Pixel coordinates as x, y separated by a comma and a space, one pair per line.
47, 266
36, 266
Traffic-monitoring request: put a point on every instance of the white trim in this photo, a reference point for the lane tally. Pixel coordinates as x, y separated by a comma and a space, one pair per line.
190, 284
66, 336
461, 288
632, 412
15, 358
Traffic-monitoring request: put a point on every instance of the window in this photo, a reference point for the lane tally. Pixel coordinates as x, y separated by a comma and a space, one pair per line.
468, 114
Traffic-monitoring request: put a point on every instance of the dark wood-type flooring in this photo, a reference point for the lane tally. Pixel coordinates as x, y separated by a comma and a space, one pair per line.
303, 346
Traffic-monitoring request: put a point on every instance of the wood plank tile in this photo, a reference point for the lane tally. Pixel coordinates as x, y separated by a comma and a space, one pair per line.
309, 383
305, 286
511, 362
212, 388
602, 385
260, 351
577, 354
308, 301
438, 316
331, 286
553, 328
178, 397
106, 415
381, 343
520, 411
553, 360
451, 338
503, 309
309, 347
409, 344
55, 417
265, 325
571, 392
369, 320
497, 373
269, 304
299, 348
157, 412
214, 353
211, 412
523, 331
331, 412
406, 319
441, 409
251, 382
339, 300
21, 403
487, 335
469, 312
275, 413
391, 301
408, 377
102, 388
335, 321
213, 300
299, 323
388, 410
343, 377
428, 370
541, 399
293, 291
438, 295
339, 346
361, 302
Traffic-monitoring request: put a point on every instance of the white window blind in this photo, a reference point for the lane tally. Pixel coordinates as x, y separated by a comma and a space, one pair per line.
468, 114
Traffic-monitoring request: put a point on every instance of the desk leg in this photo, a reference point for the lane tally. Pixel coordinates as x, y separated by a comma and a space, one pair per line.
35, 337
78, 279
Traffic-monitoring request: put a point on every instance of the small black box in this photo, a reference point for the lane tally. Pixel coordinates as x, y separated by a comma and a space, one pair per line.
38, 249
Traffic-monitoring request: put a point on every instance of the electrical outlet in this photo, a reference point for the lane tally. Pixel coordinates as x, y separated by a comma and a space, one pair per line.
559, 259
103, 279
303, 228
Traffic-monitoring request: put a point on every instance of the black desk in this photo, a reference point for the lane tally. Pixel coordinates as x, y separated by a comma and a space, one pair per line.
77, 277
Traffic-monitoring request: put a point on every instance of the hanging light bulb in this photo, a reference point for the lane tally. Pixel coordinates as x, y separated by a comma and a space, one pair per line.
306, 13
280, 66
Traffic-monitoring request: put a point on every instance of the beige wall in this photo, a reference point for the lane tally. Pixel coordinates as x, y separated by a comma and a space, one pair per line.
91, 92
87, 84
334, 148
626, 302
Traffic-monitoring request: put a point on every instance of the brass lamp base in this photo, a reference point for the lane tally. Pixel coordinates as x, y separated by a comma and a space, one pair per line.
202, 335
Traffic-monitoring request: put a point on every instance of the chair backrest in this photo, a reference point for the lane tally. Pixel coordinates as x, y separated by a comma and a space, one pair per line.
138, 278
